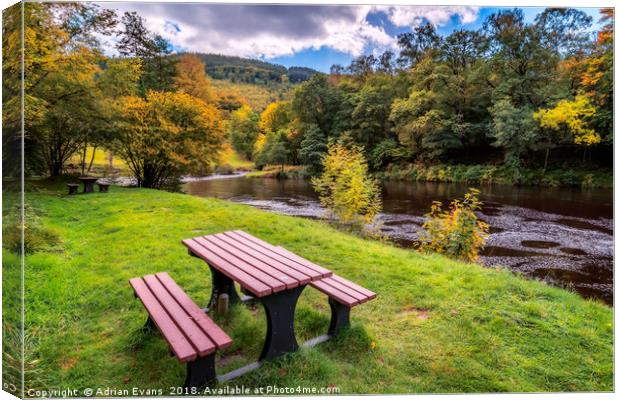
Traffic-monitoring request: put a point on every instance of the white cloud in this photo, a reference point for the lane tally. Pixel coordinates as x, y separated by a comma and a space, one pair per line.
437, 15
276, 30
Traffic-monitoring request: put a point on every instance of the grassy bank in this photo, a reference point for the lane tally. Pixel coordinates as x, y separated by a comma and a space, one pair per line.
489, 174
436, 325
275, 171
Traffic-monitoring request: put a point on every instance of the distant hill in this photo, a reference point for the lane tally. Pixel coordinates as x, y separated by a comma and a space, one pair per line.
246, 70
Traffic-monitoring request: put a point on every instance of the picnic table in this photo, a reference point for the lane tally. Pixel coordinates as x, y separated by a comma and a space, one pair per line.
89, 182
269, 274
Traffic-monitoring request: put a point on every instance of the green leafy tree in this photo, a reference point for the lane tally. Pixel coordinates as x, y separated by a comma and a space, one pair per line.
345, 187
274, 151
513, 129
318, 102
313, 149
243, 130
370, 122
135, 40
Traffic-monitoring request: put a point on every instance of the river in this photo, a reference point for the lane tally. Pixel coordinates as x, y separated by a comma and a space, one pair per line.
560, 235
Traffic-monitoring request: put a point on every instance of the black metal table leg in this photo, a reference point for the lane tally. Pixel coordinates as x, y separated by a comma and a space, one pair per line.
200, 372
340, 316
88, 187
280, 312
222, 285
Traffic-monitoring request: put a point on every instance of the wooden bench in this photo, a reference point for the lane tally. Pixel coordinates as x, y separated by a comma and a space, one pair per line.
73, 188
192, 336
343, 295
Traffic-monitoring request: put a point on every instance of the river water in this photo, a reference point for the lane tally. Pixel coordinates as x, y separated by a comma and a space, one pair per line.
561, 235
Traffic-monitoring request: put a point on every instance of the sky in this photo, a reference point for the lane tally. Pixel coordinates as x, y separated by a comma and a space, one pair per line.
315, 36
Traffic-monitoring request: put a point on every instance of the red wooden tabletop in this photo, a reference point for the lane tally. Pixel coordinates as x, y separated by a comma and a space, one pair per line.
256, 265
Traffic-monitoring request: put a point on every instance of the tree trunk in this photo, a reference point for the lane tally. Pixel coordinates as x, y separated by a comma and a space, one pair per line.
546, 160
585, 150
92, 158
83, 161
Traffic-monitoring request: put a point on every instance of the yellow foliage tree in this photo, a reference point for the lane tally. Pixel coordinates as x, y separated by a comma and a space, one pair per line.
166, 135
275, 117
345, 187
572, 115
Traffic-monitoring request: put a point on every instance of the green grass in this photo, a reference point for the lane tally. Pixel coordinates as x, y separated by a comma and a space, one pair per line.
228, 156
437, 326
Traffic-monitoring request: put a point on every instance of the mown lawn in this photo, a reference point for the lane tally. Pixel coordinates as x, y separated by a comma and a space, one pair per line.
436, 326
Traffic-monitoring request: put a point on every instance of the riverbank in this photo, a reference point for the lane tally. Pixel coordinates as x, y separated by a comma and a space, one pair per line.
492, 174
469, 174
437, 325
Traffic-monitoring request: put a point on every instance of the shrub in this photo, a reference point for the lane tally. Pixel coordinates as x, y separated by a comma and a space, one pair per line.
36, 237
457, 232
224, 169
345, 187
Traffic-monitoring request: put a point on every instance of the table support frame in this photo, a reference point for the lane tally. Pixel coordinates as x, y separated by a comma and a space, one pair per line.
222, 285
280, 312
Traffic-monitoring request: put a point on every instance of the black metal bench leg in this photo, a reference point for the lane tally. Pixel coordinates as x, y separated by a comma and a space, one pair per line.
280, 312
222, 285
149, 324
340, 316
201, 372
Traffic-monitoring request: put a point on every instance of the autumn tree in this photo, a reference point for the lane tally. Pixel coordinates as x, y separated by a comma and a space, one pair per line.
165, 135
276, 116
597, 78
243, 130
192, 79
345, 187
60, 64
572, 117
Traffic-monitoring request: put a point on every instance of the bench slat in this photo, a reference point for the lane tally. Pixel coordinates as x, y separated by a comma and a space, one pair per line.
270, 260
215, 333
178, 342
201, 342
369, 294
345, 289
271, 253
249, 282
245, 260
274, 284
342, 297
285, 253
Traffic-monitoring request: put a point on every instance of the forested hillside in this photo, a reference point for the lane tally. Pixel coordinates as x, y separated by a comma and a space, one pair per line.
245, 70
